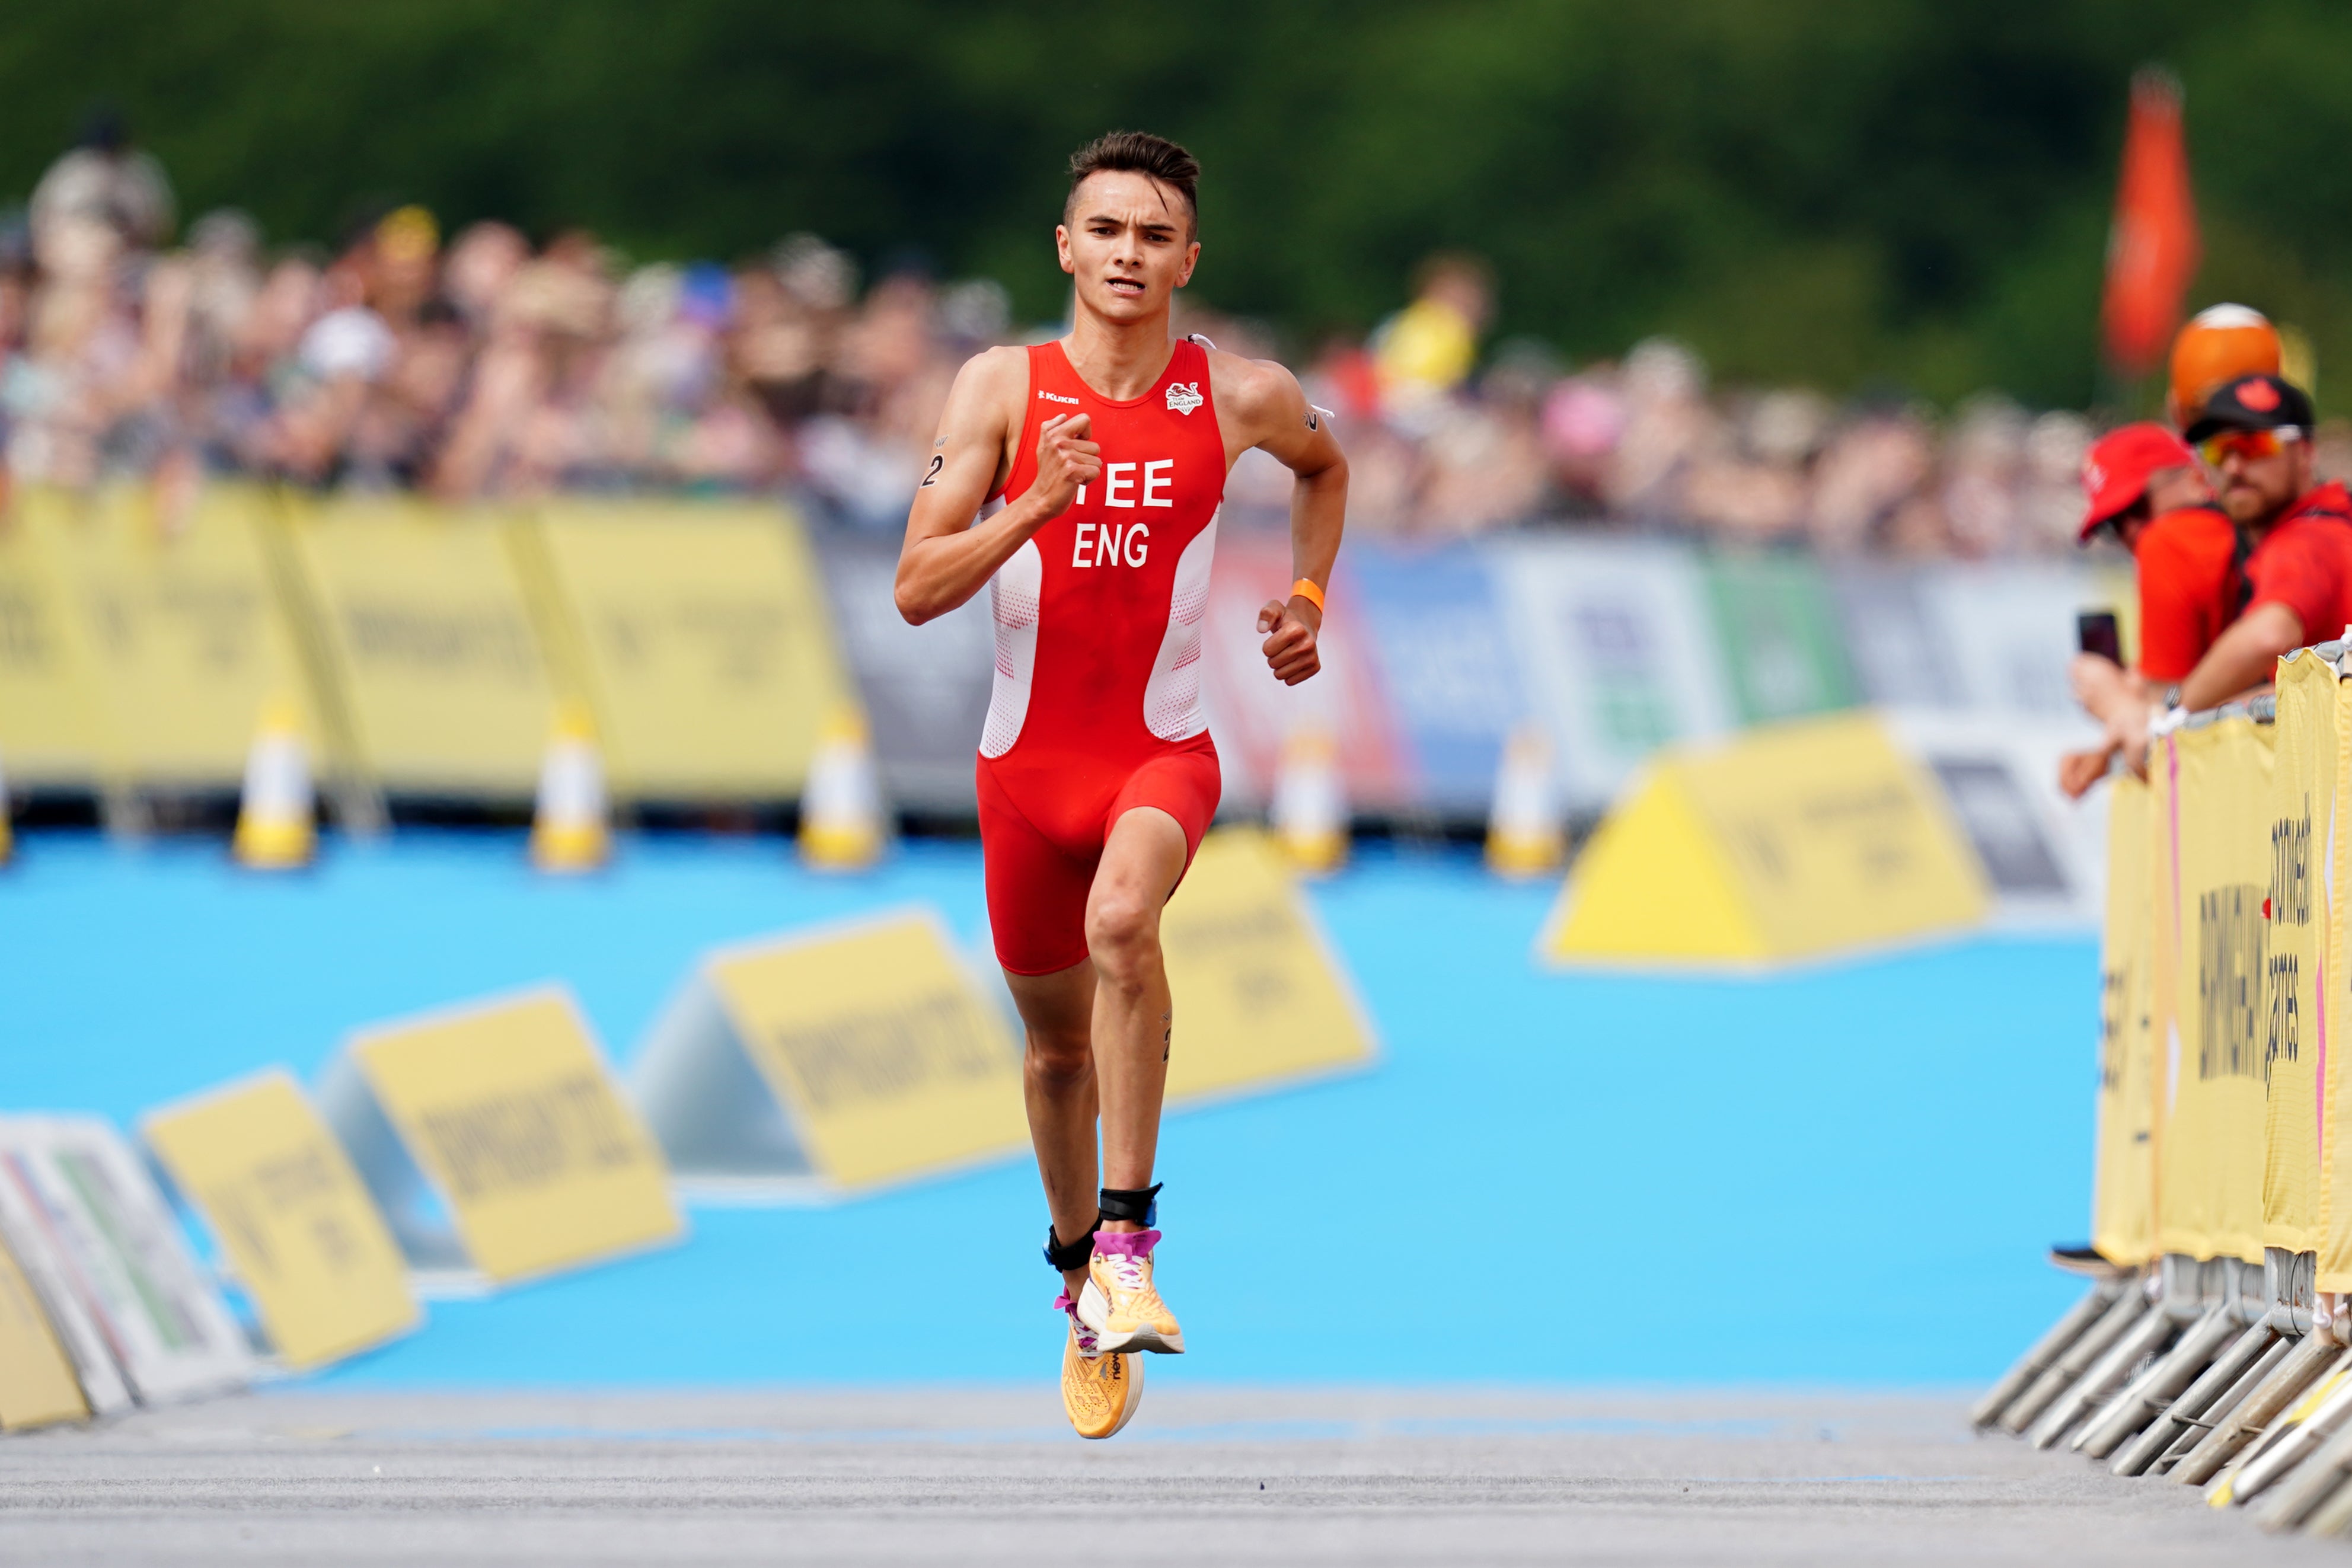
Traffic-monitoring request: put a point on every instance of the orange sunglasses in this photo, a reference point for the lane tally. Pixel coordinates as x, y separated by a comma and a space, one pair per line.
2250, 444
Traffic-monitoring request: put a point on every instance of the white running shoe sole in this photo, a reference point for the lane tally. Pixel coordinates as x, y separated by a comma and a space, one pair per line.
1093, 1310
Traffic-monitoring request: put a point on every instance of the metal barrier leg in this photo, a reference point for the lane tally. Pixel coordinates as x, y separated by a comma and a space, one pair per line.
2077, 1358
2257, 1345
2147, 1336
2156, 1388
2286, 1453
2333, 1517
2296, 1497
2045, 1352
2312, 1358
2193, 1428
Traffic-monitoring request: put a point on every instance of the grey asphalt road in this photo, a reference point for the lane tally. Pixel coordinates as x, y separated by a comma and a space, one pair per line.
1231, 1476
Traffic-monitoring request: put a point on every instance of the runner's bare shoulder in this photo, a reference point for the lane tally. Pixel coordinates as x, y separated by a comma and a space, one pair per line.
1257, 396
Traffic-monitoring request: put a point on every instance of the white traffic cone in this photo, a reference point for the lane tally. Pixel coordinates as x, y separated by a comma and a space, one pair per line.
1310, 802
1524, 838
569, 831
841, 805
276, 817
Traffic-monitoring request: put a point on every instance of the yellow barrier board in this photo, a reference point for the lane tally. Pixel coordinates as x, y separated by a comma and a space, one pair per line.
37, 1386
50, 732
888, 1059
428, 627
702, 634
507, 1109
2122, 1205
1791, 841
2210, 1194
2296, 991
292, 1216
1259, 996
2334, 1085
186, 643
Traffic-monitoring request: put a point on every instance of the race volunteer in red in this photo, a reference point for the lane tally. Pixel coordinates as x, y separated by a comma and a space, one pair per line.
1095, 776
2143, 482
2255, 434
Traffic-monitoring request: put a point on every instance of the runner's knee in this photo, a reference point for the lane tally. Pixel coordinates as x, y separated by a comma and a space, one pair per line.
1123, 937
1060, 1059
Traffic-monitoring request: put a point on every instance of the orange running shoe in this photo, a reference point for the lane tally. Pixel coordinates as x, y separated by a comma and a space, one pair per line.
1100, 1394
1119, 1302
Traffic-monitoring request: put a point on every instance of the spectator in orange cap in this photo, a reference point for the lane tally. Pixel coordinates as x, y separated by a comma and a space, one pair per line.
2222, 343
2143, 482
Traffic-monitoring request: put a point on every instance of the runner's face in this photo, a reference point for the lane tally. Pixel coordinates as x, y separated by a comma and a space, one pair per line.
2254, 489
1129, 245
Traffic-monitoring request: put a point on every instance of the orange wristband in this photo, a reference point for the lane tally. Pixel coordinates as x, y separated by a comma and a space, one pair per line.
1304, 589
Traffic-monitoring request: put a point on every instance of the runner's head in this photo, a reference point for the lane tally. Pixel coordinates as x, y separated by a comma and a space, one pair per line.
2221, 344
1129, 230
2255, 434
2131, 475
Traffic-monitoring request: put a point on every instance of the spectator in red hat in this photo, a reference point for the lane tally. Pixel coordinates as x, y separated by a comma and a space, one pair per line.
2143, 482
2255, 434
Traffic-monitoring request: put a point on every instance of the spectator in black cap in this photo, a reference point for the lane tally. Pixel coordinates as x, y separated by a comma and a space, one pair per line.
2255, 435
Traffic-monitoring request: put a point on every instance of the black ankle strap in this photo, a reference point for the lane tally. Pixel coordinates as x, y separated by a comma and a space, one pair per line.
1135, 1206
1065, 1256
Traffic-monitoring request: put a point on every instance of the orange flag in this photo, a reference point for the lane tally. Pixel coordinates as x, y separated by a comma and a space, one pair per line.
2152, 252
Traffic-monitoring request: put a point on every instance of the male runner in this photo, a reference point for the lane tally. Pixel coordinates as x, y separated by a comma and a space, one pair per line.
1095, 775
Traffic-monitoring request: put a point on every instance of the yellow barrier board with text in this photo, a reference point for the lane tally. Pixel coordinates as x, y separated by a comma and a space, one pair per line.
186, 641
1790, 841
38, 1385
2210, 1194
292, 1214
1259, 997
2335, 1084
702, 634
2123, 1212
886, 1057
428, 626
2301, 822
508, 1110
50, 732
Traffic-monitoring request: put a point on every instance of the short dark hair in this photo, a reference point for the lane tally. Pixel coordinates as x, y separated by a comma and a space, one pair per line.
1137, 152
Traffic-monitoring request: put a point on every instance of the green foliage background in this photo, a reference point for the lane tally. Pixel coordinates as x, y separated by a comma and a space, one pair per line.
1843, 192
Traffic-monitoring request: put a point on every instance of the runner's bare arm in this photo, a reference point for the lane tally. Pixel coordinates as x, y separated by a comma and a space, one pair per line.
948, 557
1259, 404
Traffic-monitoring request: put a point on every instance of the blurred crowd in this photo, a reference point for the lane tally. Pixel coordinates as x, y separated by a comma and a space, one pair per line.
479, 364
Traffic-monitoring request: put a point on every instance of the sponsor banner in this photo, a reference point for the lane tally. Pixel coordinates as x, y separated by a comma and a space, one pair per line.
427, 625
2296, 976
80, 1214
1437, 640
49, 731
2010, 632
1776, 622
291, 1215
842, 1058
1252, 715
2216, 1048
1618, 650
1793, 840
37, 1386
505, 1109
187, 640
925, 687
702, 634
1259, 997
1897, 646
2122, 1211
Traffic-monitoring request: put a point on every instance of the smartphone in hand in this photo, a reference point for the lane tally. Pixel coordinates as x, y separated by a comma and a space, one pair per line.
2096, 631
